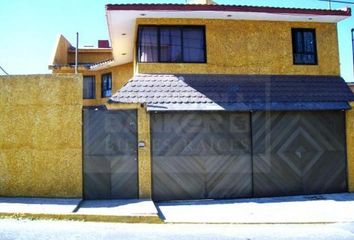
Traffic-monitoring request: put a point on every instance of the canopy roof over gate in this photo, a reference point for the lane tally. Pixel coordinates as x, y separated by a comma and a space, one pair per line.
207, 92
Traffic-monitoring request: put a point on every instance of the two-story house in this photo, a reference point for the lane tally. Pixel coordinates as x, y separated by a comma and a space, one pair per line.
197, 101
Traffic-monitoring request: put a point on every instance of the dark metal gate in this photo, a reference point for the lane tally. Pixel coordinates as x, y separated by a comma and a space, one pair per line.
208, 154
201, 155
298, 153
110, 154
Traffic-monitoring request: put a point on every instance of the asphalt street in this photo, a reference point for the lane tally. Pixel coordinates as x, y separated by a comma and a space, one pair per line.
40, 229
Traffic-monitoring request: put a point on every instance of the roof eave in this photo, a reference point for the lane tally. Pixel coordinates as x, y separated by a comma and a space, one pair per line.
67, 67
226, 8
92, 50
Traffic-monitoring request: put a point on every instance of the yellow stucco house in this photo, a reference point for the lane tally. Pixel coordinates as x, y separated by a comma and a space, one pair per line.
193, 101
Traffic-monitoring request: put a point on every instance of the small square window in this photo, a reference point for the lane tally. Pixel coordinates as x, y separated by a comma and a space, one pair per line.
106, 85
89, 87
304, 46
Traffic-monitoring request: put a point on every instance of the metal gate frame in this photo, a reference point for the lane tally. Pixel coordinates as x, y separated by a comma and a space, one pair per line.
323, 186
133, 192
252, 128
225, 194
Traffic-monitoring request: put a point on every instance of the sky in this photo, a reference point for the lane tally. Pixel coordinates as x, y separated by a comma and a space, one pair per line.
29, 28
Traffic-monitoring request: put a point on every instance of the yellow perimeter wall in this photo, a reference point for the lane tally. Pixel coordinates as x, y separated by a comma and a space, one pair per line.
252, 47
350, 147
40, 135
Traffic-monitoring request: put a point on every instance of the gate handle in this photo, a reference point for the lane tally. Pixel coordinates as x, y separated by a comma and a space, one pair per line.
141, 144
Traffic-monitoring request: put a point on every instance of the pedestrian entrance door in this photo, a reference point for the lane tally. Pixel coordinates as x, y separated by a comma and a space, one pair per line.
110, 154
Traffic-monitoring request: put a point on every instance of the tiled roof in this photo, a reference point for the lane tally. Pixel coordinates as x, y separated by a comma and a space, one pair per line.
226, 8
235, 92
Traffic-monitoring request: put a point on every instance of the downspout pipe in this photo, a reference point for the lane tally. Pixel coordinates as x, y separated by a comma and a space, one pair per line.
76, 52
353, 48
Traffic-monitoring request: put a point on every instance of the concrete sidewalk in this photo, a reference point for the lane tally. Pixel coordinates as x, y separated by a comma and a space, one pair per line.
329, 208
38, 205
140, 211
134, 210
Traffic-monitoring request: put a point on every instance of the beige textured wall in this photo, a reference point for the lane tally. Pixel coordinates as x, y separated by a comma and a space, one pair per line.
350, 147
252, 47
120, 75
93, 56
40, 135
61, 51
144, 154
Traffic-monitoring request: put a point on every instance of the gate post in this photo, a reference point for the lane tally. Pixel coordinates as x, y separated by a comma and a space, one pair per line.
350, 147
144, 153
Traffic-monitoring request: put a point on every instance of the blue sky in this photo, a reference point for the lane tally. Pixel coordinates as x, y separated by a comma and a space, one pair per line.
29, 28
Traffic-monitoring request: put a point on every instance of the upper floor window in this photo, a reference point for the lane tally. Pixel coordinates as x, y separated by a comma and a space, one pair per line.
89, 87
304, 46
106, 85
171, 44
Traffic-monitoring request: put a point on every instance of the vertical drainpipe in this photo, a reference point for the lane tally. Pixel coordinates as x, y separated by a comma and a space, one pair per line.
353, 48
76, 51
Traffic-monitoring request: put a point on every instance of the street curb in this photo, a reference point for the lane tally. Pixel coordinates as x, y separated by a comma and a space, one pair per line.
258, 223
83, 217
151, 219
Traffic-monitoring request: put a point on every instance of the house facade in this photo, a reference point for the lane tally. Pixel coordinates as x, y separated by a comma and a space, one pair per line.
193, 101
